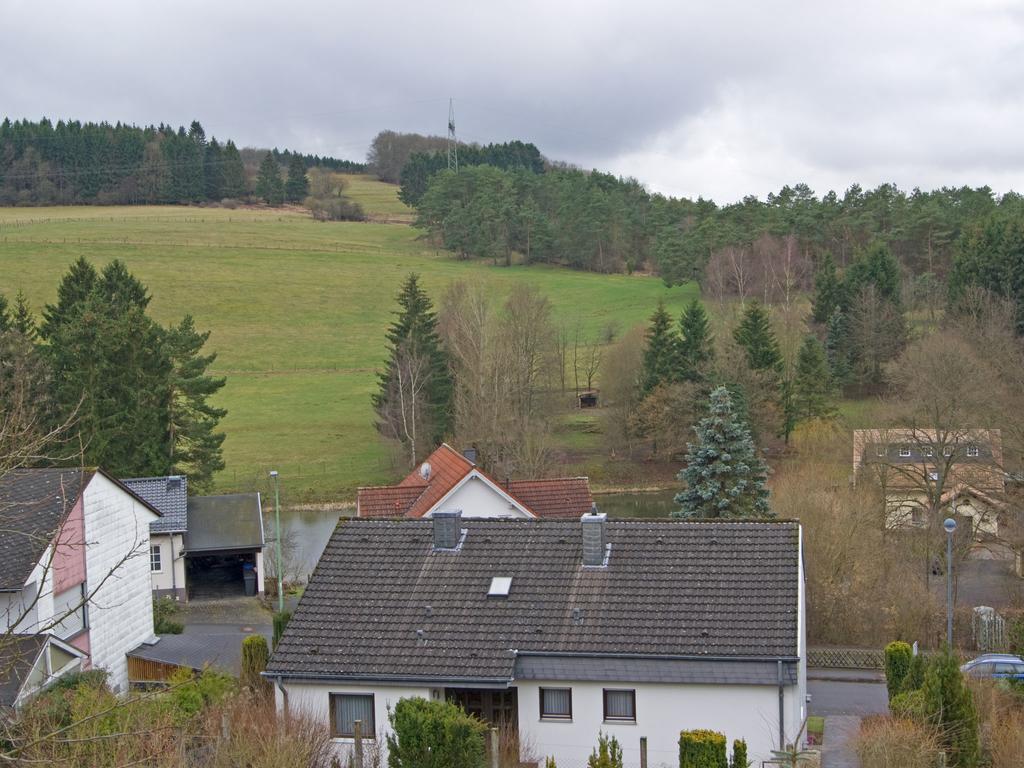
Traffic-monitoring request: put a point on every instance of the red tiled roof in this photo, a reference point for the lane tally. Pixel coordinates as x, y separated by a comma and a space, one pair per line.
415, 495
554, 497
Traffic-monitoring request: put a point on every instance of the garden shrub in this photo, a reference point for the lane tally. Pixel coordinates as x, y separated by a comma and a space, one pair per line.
908, 705
915, 674
607, 753
1015, 635
702, 749
949, 706
887, 742
255, 656
164, 610
281, 619
898, 655
434, 734
739, 754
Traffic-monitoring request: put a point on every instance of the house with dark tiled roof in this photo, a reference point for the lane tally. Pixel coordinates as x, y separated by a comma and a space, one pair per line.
452, 480
557, 629
958, 471
74, 577
202, 545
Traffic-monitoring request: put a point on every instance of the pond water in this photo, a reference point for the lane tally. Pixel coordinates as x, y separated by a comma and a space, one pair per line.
306, 531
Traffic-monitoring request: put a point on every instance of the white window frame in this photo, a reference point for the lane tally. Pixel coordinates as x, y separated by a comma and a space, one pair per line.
880, 450
904, 451
158, 551
947, 451
928, 452
973, 451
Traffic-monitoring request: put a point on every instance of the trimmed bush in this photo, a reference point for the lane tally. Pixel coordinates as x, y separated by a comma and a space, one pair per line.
281, 620
434, 734
949, 706
607, 753
739, 754
702, 749
897, 664
908, 705
915, 674
255, 656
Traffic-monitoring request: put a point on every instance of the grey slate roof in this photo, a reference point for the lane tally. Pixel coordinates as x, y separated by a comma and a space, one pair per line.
222, 650
230, 522
33, 502
382, 605
18, 654
167, 494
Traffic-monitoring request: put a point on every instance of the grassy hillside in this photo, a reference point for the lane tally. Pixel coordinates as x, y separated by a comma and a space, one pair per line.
298, 311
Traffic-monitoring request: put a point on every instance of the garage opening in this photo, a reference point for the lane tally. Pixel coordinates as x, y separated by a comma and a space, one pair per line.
216, 575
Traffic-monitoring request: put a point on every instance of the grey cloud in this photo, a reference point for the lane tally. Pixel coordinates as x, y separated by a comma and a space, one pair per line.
718, 99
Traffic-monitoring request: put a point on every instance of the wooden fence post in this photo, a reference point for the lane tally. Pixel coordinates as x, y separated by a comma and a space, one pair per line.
643, 752
357, 733
494, 748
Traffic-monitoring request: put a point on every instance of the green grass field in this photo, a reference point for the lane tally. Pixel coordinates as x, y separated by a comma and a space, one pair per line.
297, 310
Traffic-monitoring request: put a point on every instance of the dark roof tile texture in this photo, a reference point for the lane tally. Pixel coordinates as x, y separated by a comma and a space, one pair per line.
33, 503
169, 495
383, 604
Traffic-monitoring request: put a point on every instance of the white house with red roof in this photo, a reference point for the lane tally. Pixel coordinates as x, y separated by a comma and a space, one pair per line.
451, 480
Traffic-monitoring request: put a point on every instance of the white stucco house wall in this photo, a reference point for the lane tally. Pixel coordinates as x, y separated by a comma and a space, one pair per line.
638, 628
74, 566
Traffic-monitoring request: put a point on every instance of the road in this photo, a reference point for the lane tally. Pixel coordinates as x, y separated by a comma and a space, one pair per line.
843, 698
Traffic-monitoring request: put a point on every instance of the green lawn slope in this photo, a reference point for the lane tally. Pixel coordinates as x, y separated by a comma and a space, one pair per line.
297, 310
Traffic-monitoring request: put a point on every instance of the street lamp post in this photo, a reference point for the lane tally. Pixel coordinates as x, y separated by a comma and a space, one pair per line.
949, 526
277, 520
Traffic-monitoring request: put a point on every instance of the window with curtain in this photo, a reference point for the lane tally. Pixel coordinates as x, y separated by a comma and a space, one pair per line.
556, 703
349, 707
154, 558
620, 705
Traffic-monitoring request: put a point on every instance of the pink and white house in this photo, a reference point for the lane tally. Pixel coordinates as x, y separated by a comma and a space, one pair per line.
74, 577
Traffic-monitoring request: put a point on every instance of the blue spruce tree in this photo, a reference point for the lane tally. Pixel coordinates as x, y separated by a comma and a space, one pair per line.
724, 476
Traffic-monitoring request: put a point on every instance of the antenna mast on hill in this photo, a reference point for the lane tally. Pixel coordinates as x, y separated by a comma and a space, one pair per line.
453, 143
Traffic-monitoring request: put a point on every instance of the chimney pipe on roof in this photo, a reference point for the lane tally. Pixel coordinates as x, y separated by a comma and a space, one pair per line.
447, 529
594, 544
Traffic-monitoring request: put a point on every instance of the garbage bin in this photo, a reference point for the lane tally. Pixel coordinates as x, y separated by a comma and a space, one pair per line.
249, 575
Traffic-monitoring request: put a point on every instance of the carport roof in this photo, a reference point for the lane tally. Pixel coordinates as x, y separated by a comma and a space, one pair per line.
220, 523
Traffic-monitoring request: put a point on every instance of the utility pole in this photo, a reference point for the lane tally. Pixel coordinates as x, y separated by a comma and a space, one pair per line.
280, 540
453, 143
949, 526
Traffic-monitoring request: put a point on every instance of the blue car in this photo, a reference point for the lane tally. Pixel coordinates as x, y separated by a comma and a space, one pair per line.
1002, 666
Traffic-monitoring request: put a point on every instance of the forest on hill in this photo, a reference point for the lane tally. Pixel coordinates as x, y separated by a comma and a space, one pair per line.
71, 163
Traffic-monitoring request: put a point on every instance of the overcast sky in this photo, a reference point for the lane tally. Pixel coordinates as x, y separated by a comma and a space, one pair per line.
712, 98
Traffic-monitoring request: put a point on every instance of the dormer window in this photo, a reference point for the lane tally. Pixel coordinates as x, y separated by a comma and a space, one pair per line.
928, 451
880, 450
972, 451
905, 451
947, 451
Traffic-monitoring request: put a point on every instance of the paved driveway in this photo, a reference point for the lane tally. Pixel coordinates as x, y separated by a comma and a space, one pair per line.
843, 698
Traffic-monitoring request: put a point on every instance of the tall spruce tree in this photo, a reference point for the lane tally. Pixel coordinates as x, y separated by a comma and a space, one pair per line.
268, 181
661, 355
696, 350
415, 399
74, 288
757, 338
828, 290
213, 170
813, 390
838, 348
296, 188
111, 372
234, 172
5, 315
874, 266
724, 476
22, 319
194, 442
